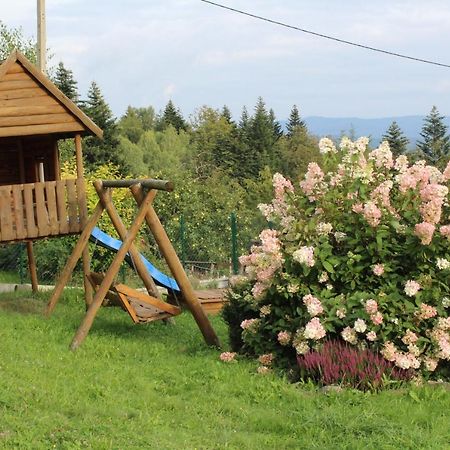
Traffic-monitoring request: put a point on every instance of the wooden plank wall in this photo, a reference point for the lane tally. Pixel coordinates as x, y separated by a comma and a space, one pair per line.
37, 210
27, 109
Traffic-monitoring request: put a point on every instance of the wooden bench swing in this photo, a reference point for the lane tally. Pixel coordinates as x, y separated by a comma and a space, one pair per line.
141, 307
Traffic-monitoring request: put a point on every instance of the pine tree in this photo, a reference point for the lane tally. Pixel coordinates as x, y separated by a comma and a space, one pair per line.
277, 131
244, 120
66, 83
398, 142
226, 114
99, 151
172, 116
244, 160
435, 145
262, 138
294, 121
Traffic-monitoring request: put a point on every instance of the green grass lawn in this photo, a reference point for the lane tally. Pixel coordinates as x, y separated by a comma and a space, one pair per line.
158, 386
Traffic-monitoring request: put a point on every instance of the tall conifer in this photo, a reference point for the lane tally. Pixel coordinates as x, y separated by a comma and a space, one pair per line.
398, 142
99, 151
294, 121
66, 83
435, 143
172, 116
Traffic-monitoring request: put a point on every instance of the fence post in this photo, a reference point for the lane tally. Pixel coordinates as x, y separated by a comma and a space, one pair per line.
234, 250
182, 241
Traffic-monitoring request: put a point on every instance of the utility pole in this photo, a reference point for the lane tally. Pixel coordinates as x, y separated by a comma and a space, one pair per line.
41, 36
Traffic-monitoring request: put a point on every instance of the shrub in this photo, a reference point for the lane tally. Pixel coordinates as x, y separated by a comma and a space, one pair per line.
358, 251
337, 362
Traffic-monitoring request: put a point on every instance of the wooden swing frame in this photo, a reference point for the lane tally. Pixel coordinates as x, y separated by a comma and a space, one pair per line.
144, 192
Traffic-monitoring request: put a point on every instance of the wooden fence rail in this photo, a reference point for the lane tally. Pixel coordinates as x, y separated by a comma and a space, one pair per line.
37, 210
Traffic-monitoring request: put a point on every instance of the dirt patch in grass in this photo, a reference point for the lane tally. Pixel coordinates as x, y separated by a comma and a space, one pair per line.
22, 305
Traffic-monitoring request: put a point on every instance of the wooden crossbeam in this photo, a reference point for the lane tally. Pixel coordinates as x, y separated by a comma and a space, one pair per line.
157, 303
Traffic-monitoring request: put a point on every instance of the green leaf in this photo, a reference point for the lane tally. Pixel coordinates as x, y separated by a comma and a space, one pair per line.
328, 267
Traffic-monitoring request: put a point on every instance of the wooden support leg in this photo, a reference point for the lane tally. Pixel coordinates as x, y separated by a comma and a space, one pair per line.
88, 292
122, 231
32, 267
167, 250
88, 320
74, 257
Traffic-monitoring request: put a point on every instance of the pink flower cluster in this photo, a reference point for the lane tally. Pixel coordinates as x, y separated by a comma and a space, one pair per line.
372, 213
263, 262
371, 306
269, 241
312, 184
445, 231
250, 325
313, 305
304, 255
381, 195
279, 207
378, 269
441, 336
266, 359
433, 196
400, 359
416, 176
227, 356
424, 231
446, 173
314, 330
410, 337
426, 311
281, 185
382, 156
284, 337
376, 318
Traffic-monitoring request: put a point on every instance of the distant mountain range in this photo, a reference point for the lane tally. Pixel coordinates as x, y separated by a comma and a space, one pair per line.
375, 128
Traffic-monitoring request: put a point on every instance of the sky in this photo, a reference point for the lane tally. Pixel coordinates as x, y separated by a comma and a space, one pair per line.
143, 53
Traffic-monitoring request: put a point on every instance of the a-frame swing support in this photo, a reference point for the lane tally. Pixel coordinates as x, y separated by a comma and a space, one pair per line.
147, 213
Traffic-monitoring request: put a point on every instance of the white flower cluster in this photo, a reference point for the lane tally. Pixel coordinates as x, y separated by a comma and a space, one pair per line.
326, 145
443, 264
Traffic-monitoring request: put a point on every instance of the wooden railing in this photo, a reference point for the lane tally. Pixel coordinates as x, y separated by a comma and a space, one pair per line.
36, 210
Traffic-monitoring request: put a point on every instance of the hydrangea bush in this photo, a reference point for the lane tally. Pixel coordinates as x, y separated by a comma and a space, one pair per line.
359, 251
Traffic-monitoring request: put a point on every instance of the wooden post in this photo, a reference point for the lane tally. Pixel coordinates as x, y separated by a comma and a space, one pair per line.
104, 196
41, 36
57, 167
74, 257
30, 254
88, 320
167, 250
83, 217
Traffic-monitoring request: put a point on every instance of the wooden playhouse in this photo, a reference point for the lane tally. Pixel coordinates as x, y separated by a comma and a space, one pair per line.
34, 115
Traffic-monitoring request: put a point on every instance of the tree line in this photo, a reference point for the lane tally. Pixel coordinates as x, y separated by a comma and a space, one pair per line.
220, 164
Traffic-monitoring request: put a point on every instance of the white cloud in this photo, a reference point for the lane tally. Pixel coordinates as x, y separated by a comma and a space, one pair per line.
143, 52
169, 90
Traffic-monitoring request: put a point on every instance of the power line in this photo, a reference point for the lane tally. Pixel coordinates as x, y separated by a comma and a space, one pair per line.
324, 36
